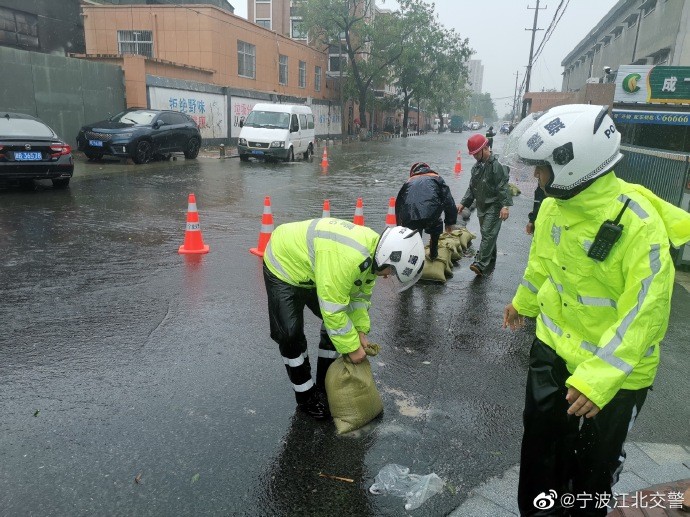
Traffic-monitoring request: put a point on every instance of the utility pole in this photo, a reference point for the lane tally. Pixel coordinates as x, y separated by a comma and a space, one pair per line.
531, 54
515, 98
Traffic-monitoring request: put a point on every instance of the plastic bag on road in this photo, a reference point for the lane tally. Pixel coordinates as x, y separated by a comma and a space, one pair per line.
396, 480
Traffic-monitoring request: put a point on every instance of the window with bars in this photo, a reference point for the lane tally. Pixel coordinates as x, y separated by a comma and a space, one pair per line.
317, 78
283, 70
246, 59
302, 74
135, 42
18, 28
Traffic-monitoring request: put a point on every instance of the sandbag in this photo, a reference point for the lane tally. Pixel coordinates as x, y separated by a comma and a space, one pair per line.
455, 253
444, 255
514, 190
465, 237
434, 270
353, 398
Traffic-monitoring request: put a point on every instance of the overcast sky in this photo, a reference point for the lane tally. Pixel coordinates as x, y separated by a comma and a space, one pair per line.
496, 30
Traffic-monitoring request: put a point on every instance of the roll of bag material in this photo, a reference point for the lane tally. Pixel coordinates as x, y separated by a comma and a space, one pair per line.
353, 398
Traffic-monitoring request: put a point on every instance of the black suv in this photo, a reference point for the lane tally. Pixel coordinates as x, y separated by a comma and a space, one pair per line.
141, 134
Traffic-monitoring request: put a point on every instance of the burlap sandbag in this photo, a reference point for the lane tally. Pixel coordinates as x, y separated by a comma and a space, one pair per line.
465, 237
434, 270
514, 190
353, 398
444, 254
452, 242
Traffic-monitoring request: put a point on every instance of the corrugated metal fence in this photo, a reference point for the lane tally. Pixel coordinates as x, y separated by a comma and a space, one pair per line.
662, 172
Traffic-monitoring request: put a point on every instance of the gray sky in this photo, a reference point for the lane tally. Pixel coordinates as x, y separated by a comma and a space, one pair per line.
496, 30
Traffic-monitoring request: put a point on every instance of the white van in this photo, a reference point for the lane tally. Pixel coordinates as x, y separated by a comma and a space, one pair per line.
277, 131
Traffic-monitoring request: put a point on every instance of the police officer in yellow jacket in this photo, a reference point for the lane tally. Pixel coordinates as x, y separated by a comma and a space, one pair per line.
598, 281
331, 266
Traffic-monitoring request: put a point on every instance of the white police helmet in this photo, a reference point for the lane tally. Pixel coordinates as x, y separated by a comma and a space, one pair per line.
579, 142
403, 250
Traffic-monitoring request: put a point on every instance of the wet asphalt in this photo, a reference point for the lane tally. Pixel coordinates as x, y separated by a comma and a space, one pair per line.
135, 381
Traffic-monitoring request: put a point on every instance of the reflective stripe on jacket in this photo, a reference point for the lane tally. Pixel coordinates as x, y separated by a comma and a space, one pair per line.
335, 258
605, 319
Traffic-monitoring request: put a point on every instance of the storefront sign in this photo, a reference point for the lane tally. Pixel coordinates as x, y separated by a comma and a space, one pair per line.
653, 84
665, 118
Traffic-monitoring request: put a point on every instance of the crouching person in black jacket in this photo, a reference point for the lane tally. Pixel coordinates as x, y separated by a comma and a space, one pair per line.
422, 200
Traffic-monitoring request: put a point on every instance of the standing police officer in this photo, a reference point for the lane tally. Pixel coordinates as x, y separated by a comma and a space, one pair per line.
598, 281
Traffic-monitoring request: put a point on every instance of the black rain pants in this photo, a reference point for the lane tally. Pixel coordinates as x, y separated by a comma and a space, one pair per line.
569, 454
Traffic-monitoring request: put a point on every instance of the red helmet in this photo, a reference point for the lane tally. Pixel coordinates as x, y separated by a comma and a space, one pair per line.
476, 143
419, 168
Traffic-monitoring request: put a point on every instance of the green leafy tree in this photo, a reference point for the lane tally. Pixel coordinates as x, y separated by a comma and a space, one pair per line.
372, 43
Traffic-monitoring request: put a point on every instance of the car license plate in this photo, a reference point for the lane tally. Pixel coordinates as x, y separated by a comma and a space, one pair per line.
25, 157
257, 152
95, 143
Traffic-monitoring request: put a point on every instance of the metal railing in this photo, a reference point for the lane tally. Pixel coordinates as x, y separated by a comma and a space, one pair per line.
664, 173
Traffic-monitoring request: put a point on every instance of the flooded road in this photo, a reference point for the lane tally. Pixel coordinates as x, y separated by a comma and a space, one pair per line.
135, 381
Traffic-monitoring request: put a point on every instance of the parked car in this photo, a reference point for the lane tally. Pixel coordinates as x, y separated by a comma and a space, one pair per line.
277, 131
30, 150
142, 135
505, 128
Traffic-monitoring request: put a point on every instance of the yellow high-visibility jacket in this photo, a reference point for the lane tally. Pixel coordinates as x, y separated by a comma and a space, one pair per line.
334, 257
605, 319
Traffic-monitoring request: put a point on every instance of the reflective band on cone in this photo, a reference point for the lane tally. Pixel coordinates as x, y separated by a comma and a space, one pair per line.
324, 158
266, 229
193, 240
390, 216
359, 213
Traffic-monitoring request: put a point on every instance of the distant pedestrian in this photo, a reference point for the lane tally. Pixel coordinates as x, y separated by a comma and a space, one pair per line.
330, 266
422, 200
489, 190
490, 137
598, 281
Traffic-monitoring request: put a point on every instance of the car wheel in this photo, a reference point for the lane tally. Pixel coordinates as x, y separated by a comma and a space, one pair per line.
290, 156
142, 153
192, 150
308, 154
61, 182
244, 157
93, 156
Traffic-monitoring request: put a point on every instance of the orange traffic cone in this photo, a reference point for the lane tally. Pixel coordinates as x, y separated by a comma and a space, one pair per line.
324, 158
390, 216
458, 164
193, 240
326, 209
359, 213
266, 229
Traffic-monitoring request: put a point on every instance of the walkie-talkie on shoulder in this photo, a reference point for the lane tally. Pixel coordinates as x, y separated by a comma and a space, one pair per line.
607, 236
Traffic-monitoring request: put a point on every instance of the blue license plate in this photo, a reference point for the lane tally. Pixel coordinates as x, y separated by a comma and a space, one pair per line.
95, 143
27, 157
257, 152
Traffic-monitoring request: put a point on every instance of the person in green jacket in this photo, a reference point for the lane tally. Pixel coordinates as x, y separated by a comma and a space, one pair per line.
330, 266
488, 189
598, 281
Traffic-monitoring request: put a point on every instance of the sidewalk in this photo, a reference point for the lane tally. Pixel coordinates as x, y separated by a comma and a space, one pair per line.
647, 465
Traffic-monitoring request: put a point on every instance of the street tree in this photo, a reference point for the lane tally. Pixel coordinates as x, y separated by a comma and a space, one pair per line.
371, 42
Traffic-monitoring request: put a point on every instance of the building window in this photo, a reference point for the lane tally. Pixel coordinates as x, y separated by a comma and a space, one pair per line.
334, 63
135, 42
246, 59
296, 30
264, 23
317, 78
283, 70
18, 28
302, 74
648, 7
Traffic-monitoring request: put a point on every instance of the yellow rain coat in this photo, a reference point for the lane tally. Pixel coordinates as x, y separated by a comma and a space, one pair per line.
605, 319
334, 257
